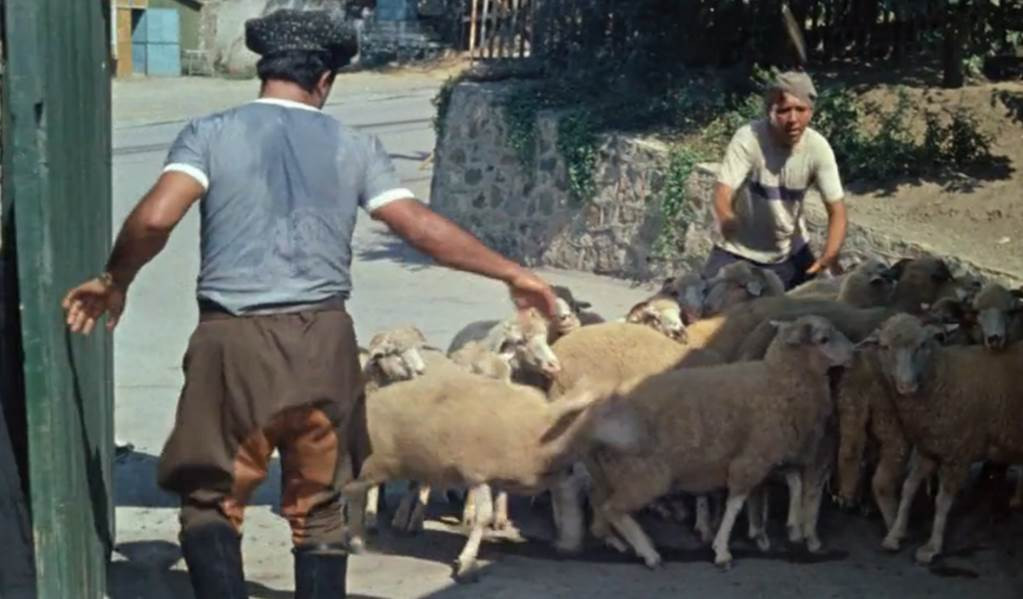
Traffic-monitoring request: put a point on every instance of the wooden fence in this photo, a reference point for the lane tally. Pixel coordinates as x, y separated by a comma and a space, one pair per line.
500, 28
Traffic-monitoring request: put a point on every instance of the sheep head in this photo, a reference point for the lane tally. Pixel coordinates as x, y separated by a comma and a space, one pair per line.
921, 281
825, 347
995, 306
394, 355
905, 345
663, 314
527, 339
690, 291
566, 319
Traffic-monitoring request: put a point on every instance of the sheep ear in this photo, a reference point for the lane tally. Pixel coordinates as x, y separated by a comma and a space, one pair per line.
871, 341
789, 332
583, 305
878, 280
895, 271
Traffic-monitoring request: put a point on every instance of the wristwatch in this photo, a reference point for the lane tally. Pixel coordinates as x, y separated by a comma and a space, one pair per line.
107, 279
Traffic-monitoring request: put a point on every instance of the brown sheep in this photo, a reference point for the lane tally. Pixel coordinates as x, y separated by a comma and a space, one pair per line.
957, 405
725, 427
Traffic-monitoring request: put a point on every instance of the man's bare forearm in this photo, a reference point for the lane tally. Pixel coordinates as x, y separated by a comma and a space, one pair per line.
136, 245
450, 245
837, 226
723, 208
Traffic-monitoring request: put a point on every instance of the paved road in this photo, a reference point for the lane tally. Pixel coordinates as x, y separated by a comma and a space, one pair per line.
394, 285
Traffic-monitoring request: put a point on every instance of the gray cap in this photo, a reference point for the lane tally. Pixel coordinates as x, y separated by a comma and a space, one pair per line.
307, 30
796, 83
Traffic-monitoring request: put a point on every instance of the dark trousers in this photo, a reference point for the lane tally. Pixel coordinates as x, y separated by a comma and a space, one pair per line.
255, 384
792, 272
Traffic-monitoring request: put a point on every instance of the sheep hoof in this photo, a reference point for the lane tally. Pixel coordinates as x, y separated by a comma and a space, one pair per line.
814, 545
706, 535
763, 543
500, 523
466, 571
617, 544
723, 562
926, 554
891, 544
654, 561
568, 547
795, 535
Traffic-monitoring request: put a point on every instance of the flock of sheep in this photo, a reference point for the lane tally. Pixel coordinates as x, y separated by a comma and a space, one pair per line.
703, 392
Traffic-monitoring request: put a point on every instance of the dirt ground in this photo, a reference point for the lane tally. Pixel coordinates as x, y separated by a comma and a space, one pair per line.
976, 215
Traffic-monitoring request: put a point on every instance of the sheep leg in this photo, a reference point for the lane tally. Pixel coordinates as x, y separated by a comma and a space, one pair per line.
733, 505
465, 565
469, 509
813, 493
501, 511
814, 476
951, 478
418, 517
569, 521
756, 514
794, 523
355, 497
702, 524
401, 515
372, 507
891, 464
627, 526
919, 470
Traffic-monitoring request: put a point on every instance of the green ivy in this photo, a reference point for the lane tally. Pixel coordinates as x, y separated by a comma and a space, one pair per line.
678, 213
578, 144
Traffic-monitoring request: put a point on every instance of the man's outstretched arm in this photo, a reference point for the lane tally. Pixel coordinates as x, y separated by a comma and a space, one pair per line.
142, 236
454, 247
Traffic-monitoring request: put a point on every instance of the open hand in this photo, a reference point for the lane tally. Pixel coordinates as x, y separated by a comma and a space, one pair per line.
825, 263
86, 303
530, 291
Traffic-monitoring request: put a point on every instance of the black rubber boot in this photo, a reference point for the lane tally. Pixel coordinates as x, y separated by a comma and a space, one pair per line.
213, 555
320, 572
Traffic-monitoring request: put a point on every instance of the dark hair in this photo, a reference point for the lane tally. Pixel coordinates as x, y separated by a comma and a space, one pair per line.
301, 67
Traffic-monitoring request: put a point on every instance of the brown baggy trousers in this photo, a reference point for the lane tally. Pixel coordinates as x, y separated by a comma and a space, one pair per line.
258, 383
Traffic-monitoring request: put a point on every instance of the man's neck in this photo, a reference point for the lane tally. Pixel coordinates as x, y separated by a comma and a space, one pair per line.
286, 90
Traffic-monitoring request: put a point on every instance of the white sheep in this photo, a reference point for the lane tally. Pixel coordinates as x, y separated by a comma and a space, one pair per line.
472, 432
726, 427
957, 405
392, 356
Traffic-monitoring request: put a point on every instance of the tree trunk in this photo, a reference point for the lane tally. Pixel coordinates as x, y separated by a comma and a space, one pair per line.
952, 47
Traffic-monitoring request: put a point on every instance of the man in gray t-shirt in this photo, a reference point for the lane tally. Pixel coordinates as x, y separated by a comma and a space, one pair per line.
768, 169
272, 363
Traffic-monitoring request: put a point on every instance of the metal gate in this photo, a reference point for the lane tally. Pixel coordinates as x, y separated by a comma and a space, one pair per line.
56, 188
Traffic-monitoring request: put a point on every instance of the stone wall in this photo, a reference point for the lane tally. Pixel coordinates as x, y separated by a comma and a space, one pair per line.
526, 211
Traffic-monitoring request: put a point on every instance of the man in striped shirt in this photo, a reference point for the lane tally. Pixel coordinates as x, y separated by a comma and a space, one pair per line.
770, 167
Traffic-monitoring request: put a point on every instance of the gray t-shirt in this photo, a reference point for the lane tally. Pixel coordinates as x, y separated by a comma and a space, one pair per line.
283, 184
772, 182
